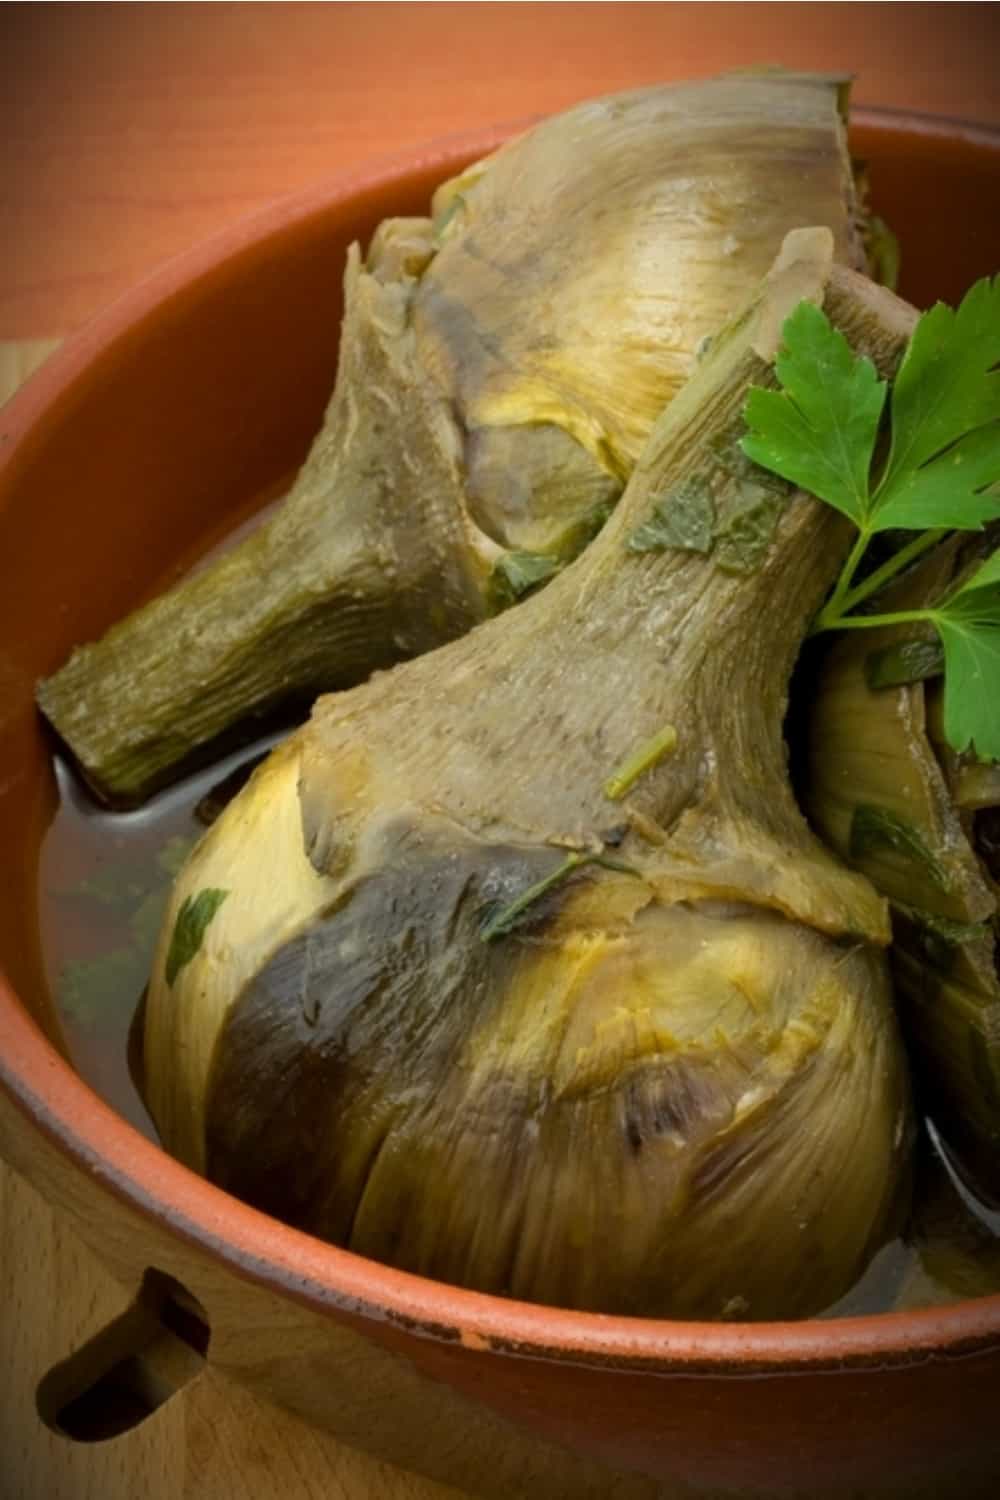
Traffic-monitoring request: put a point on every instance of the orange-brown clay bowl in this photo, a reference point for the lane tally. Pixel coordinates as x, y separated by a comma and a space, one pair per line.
141, 437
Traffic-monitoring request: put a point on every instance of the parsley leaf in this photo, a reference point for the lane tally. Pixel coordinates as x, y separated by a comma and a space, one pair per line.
819, 430
969, 626
189, 929
971, 683
986, 577
948, 383
946, 491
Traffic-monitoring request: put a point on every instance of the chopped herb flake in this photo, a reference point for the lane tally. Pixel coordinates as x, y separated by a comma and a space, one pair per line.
877, 828
499, 923
640, 761
727, 449
189, 929
684, 519
745, 535
516, 574
903, 663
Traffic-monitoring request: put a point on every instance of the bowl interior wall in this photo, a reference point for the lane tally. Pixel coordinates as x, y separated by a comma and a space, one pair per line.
177, 419
140, 446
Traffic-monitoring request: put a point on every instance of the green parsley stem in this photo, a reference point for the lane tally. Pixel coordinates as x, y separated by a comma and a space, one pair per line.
833, 607
892, 565
508, 916
866, 622
640, 761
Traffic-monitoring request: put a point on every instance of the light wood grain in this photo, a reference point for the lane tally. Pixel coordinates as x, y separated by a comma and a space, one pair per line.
435, 1406
213, 1439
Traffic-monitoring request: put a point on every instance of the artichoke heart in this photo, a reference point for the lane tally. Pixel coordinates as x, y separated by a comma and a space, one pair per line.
463, 1012
501, 364
885, 790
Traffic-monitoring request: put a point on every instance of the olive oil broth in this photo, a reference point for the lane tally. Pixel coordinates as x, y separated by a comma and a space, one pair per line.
103, 876
104, 882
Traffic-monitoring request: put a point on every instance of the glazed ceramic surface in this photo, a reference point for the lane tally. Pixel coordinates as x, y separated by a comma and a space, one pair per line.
143, 440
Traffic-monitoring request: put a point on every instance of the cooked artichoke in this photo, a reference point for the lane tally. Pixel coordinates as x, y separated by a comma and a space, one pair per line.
501, 365
427, 990
884, 789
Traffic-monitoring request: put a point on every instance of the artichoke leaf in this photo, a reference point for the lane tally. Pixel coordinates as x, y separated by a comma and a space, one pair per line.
950, 998
973, 784
887, 792
875, 788
685, 202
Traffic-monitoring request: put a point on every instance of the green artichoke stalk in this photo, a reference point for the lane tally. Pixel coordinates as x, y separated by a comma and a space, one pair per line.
518, 965
502, 362
884, 789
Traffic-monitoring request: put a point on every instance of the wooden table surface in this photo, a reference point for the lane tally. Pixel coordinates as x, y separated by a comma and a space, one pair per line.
129, 133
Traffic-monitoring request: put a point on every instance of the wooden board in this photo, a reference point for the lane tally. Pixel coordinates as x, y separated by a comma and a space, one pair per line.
211, 1440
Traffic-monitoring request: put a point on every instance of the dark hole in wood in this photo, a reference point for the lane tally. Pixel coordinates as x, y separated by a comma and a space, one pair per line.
130, 1368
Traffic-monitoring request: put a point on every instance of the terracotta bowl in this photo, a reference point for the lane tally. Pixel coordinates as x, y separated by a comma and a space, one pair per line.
143, 435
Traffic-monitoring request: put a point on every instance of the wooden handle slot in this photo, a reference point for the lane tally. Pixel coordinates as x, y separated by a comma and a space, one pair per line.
127, 1370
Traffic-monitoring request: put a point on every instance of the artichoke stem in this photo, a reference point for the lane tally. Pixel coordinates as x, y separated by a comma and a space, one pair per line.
293, 612
355, 571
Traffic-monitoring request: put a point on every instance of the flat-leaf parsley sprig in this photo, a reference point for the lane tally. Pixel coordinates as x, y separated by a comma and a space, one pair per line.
821, 429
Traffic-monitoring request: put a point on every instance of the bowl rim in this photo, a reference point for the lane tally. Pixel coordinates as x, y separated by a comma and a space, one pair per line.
82, 1127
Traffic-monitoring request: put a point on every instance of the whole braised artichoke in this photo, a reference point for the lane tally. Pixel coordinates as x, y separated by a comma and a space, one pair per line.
519, 967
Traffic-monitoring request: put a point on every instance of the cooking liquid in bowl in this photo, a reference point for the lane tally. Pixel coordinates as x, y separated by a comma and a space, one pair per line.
104, 881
